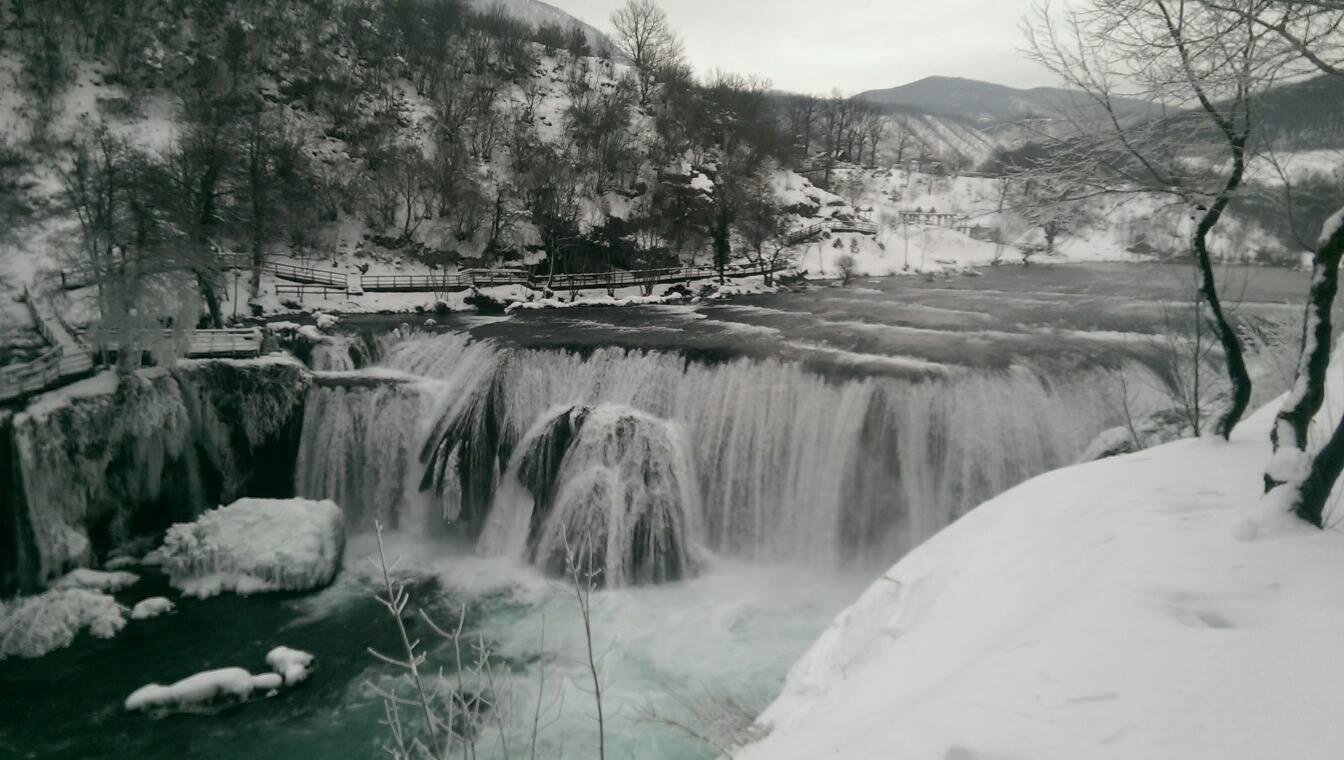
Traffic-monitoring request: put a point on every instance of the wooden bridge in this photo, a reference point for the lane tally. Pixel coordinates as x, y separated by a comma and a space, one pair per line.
304, 280
64, 360
69, 358
831, 225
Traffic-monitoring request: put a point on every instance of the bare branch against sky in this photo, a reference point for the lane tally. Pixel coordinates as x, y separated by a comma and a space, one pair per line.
855, 45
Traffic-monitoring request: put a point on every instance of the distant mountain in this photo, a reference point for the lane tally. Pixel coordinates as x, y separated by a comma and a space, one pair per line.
1307, 115
536, 13
983, 103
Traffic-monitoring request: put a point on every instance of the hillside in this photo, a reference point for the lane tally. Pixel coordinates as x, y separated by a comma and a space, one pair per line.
983, 103
537, 13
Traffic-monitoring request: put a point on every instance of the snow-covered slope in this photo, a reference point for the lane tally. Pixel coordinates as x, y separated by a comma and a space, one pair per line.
1100, 611
537, 13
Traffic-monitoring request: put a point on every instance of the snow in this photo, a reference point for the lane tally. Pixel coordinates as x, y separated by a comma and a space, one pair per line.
35, 625
292, 664
1331, 227
96, 580
222, 686
205, 689
1115, 609
256, 545
119, 563
151, 608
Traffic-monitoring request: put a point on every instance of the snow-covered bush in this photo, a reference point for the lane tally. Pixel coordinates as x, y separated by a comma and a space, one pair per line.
256, 545
35, 625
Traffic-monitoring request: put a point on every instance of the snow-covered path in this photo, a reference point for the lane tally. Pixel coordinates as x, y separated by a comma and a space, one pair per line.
1100, 611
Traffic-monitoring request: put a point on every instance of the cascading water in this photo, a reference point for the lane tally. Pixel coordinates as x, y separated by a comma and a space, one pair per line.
609, 491
789, 465
113, 458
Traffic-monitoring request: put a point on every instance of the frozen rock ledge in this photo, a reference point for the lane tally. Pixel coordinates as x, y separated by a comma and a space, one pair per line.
256, 545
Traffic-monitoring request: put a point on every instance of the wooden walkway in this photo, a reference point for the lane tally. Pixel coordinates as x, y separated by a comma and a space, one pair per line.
68, 358
831, 225
65, 360
301, 280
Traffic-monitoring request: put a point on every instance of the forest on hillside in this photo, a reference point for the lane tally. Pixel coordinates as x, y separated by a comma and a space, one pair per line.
289, 116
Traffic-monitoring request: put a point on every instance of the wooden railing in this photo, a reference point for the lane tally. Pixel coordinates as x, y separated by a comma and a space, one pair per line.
201, 344
832, 225
302, 290
21, 380
467, 278
26, 378
306, 280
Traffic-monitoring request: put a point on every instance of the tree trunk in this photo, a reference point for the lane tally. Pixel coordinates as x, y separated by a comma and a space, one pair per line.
1308, 394
1238, 377
258, 261
1314, 491
211, 299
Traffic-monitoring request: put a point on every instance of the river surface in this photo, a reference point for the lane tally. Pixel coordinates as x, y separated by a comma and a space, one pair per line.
827, 432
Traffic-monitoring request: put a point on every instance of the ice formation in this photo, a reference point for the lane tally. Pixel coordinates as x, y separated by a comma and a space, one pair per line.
256, 545
96, 580
151, 608
205, 691
35, 625
291, 664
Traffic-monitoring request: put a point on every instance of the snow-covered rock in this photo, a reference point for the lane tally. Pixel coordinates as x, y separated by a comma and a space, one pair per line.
152, 608
256, 545
205, 691
325, 321
120, 563
35, 625
291, 664
96, 580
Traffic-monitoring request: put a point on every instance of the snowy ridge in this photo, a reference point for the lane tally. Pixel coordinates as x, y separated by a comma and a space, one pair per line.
1102, 610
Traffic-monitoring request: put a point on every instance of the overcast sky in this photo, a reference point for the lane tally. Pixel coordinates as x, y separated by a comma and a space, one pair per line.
855, 45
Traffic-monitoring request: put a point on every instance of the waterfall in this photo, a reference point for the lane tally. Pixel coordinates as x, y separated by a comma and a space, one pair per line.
360, 451
109, 459
789, 464
610, 489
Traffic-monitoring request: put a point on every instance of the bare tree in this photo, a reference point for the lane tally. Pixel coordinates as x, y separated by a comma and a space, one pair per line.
1175, 52
128, 247
645, 36
1312, 32
764, 228
845, 263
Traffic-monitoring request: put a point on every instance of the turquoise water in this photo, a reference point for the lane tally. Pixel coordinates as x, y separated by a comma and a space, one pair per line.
734, 631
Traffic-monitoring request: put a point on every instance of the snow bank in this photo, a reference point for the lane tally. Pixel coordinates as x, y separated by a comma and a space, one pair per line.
96, 580
211, 690
151, 608
1104, 610
256, 545
291, 664
35, 625
208, 690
